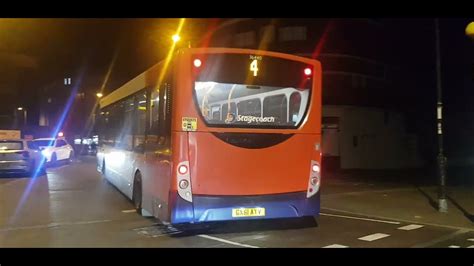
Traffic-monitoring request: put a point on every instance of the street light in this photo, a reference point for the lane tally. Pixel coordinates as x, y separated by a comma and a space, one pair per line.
470, 30
20, 108
176, 38
99, 95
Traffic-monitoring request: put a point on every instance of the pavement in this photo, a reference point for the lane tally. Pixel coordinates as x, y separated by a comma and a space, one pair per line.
73, 206
409, 199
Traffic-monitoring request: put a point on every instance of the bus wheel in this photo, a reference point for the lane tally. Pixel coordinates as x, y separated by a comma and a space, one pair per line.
137, 193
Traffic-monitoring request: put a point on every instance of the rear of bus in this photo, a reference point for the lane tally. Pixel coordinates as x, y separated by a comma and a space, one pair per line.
246, 136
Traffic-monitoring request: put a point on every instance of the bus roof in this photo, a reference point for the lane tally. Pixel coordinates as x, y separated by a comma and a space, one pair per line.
129, 88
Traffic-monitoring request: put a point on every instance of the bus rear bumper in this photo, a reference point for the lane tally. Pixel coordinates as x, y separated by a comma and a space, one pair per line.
220, 208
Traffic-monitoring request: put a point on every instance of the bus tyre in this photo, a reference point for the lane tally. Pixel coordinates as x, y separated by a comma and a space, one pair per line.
137, 193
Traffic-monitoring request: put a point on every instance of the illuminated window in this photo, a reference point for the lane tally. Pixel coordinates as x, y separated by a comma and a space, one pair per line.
140, 121
249, 107
276, 106
296, 33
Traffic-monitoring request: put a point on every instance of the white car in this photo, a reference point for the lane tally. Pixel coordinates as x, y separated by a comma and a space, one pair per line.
54, 149
16, 155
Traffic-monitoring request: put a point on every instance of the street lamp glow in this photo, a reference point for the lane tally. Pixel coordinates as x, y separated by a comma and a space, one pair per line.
99, 95
176, 38
20, 108
470, 30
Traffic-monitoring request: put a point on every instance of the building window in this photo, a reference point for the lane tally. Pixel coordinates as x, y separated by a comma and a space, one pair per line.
244, 39
292, 34
267, 33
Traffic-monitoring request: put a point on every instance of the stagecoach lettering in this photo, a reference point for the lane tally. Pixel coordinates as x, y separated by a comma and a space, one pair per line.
255, 119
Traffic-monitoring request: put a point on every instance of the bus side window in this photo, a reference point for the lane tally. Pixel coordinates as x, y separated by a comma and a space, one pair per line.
159, 135
126, 132
154, 120
116, 122
165, 116
140, 121
103, 127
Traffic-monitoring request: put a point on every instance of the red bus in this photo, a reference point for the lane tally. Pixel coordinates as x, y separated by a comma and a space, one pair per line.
216, 134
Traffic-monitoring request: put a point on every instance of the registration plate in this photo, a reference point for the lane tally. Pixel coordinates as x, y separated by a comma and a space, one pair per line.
248, 212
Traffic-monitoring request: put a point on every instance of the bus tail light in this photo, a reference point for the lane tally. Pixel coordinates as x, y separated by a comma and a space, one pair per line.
314, 179
197, 62
184, 181
307, 71
182, 169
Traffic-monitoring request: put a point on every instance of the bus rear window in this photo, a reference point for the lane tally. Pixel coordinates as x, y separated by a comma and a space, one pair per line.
231, 90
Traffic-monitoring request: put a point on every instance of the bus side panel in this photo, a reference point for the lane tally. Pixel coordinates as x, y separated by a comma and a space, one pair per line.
140, 165
128, 173
181, 211
112, 157
158, 181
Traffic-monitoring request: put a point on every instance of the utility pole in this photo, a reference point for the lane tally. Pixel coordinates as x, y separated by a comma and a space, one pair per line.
442, 203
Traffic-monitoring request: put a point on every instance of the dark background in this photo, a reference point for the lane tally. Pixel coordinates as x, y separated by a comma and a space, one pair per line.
38, 52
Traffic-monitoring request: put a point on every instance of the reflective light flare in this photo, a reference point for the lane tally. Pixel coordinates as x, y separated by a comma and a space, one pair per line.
169, 56
55, 133
176, 38
89, 124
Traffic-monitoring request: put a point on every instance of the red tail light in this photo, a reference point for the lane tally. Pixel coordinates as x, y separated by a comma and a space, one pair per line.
315, 168
183, 169
197, 62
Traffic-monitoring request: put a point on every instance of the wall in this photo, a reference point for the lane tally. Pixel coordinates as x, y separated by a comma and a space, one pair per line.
371, 138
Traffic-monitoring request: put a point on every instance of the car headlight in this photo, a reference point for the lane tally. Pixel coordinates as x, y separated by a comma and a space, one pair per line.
46, 153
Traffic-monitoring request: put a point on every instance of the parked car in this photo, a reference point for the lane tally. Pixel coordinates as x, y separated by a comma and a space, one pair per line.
16, 156
54, 150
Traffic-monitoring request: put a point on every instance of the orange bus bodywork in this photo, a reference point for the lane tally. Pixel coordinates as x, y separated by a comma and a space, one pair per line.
222, 176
